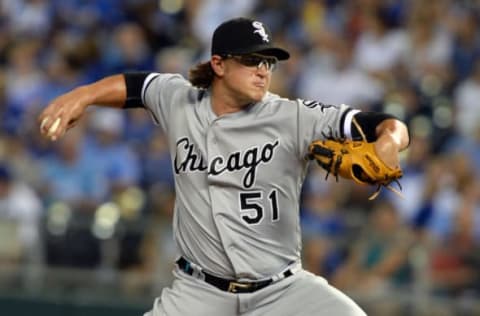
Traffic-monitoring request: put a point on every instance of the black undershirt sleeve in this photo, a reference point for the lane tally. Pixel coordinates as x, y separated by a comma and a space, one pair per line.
369, 121
134, 83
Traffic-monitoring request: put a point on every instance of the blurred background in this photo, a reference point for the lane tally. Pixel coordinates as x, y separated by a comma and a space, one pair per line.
85, 221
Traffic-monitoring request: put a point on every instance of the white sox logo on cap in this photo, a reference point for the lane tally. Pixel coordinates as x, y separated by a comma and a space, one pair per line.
260, 30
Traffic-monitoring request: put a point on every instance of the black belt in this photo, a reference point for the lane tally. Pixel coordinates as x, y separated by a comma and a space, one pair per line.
228, 285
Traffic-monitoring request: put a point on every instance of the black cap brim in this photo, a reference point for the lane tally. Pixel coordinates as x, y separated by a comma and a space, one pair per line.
281, 54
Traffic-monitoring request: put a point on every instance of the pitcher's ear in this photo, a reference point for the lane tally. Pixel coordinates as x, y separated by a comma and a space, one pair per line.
218, 65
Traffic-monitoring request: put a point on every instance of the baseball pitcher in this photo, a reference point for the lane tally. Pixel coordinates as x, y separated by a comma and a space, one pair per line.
240, 155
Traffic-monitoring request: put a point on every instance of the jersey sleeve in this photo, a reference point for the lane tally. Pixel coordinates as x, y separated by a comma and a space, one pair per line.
158, 95
321, 121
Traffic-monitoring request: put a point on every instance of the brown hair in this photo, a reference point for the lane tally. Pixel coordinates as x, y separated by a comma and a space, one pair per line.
201, 75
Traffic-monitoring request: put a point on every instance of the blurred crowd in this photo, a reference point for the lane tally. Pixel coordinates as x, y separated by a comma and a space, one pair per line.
102, 196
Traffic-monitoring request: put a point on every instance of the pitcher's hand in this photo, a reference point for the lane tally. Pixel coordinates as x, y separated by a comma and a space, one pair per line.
388, 150
63, 113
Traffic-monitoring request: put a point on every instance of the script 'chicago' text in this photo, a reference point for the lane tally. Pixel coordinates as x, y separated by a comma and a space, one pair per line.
188, 159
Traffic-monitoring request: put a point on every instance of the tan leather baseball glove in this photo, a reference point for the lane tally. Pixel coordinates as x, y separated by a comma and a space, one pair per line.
355, 160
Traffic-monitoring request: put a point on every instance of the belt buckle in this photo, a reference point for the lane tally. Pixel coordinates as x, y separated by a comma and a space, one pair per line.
234, 286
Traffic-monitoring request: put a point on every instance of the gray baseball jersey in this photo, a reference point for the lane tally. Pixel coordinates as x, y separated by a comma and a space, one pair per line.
238, 176
238, 179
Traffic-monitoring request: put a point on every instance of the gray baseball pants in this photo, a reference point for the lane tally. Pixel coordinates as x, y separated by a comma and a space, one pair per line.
302, 294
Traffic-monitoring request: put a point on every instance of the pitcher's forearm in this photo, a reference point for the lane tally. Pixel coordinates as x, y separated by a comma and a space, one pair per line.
110, 91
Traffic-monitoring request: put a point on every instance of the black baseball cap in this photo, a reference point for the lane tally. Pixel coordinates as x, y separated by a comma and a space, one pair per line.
241, 36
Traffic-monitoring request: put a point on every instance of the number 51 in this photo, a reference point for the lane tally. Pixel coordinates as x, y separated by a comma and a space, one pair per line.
253, 210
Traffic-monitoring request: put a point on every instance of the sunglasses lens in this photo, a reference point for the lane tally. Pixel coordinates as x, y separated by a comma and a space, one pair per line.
251, 60
255, 61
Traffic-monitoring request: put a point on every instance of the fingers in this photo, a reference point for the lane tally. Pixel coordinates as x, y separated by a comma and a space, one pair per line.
51, 128
43, 123
52, 122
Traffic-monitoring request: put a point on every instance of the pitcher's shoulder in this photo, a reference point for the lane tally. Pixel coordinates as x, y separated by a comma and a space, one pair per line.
272, 99
275, 99
178, 85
